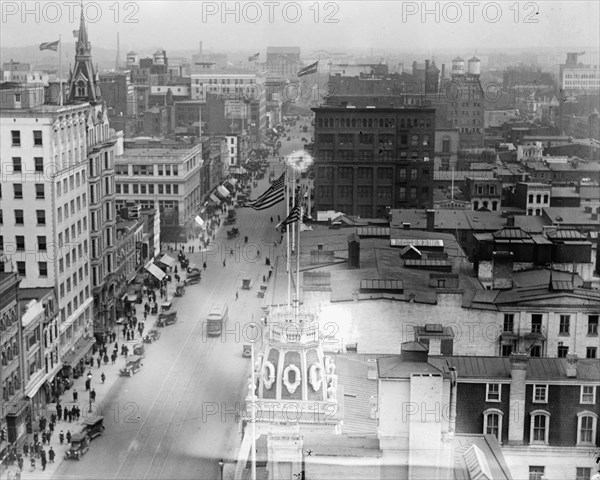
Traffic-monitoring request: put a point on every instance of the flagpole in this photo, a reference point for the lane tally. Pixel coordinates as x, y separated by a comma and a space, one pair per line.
298, 257
287, 233
60, 69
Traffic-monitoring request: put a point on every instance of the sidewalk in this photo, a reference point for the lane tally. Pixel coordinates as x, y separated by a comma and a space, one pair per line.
66, 400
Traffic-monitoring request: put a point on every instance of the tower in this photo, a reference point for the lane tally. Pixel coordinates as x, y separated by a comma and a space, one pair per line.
295, 389
83, 84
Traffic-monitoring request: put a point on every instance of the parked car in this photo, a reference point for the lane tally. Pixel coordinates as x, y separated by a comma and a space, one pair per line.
152, 336
80, 444
93, 426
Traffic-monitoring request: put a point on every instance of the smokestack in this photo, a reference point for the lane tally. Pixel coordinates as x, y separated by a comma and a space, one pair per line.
443, 70
571, 368
516, 417
502, 268
353, 251
430, 220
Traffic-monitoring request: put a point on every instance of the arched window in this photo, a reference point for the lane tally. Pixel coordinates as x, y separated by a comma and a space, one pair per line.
492, 423
475, 205
531, 198
81, 89
586, 428
539, 427
545, 198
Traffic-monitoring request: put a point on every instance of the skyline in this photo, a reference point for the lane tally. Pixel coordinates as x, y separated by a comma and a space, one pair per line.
338, 25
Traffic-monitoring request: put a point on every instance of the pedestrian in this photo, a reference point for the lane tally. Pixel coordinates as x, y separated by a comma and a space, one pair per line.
51, 455
68, 436
87, 385
271, 219
35, 437
74, 395
99, 361
32, 463
223, 263
102, 377
113, 357
58, 411
204, 265
25, 449
61, 437
237, 295
74, 412
105, 358
49, 434
93, 395
20, 463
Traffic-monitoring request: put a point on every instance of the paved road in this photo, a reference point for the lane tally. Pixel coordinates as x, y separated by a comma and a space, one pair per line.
176, 418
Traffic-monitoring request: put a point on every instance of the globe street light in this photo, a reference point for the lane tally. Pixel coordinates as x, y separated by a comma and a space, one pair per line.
221, 465
89, 376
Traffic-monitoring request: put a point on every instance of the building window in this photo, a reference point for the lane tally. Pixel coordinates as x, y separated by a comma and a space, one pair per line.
509, 322
540, 394
583, 473
536, 472
592, 325
18, 190
588, 394
562, 351
43, 268
17, 165
41, 217
19, 217
540, 422
586, 428
492, 423
16, 138
37, 138
446, 145
21, 269
39, 191
536, 323
39, 164
507, 349
591, 352
20, 240
493, 392
41, 240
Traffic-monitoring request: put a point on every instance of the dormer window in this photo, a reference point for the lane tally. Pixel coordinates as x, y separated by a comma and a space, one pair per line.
81, 89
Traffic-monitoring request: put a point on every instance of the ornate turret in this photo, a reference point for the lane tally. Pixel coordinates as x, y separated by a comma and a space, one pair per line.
83, 84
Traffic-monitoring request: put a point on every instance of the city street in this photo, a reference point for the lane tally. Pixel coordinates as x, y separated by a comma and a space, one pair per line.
177, 417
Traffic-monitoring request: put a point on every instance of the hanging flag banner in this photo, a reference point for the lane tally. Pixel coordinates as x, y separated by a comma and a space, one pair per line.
312, 68
50, 46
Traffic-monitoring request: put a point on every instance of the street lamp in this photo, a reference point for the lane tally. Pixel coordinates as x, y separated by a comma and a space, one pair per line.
221, 465
89, 376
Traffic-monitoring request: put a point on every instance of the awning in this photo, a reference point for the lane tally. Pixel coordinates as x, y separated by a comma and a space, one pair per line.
32, 387
81, 347
232, 181
157, 272
131, 297
215, 199
223, 191
169, 261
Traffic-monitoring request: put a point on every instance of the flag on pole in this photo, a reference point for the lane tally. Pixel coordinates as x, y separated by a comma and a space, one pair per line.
254, 57
274, 194
76, 33
294, 216
312, 68
50, 46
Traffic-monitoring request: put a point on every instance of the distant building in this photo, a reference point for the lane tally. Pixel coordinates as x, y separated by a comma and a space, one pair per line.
579, 78
484, 193
532, 197
283, 61
369, 159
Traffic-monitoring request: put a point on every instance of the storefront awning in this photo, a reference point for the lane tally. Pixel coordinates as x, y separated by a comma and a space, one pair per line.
232, 181
157, 272
223, 191
81, 347
169, 261
215, 199
32, 387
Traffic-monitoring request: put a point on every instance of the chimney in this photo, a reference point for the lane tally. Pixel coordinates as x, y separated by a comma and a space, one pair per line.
443, 70
406, 226
510, 221
353, 251
571, 367
516, 416
426, 65
502, 269
430, 220
598, 255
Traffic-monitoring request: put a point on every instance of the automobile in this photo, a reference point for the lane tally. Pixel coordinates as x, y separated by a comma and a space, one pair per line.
134, 365
93, 426
80, 444
152, 336
192, 279
122, 321
192, 268
165, 319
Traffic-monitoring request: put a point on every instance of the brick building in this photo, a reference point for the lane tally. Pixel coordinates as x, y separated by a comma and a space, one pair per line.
370, 159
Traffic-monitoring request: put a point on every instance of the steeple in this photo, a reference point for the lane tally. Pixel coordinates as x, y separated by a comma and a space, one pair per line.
83, 84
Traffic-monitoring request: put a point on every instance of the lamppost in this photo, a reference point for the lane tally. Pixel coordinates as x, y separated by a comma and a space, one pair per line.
89, 376
221, 465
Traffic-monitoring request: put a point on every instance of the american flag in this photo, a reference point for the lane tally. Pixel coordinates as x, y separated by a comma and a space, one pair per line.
274, 194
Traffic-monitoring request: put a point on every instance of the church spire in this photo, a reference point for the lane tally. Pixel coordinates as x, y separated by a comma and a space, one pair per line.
83, 84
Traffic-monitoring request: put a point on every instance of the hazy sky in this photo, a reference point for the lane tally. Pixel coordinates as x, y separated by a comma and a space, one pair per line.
334, 26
